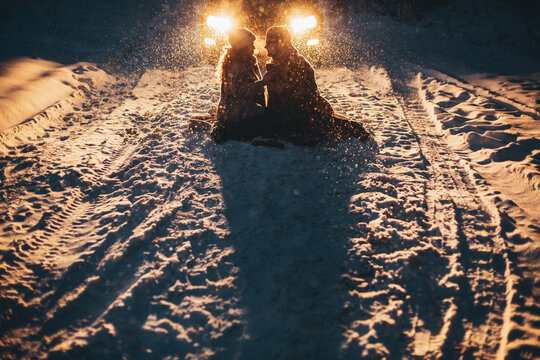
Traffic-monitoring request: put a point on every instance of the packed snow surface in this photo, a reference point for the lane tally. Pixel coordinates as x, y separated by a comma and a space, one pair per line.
123, 234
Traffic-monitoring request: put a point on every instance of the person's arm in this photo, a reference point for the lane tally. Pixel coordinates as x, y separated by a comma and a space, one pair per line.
301, 89
301, 92
274, 85
241, 86
273, 82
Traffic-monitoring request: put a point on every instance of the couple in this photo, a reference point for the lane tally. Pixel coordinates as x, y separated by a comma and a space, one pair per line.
294, 110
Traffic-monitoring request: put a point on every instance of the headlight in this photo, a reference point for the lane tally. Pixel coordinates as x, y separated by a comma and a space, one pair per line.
302, 24
221, 23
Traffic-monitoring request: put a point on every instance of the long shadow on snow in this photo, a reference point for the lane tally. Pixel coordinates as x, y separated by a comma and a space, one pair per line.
288, 216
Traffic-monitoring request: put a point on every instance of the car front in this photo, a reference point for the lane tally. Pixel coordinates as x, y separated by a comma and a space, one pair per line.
303, 18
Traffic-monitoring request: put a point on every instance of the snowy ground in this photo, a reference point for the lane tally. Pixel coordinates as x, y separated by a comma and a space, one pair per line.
123, 234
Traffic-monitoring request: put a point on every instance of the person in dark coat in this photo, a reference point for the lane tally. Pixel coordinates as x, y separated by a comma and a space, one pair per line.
242, 101
300, 114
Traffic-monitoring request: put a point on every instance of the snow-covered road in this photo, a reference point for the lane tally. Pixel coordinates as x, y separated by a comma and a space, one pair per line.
126, 235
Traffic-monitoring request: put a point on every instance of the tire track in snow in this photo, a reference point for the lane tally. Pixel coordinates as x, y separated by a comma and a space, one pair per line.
423, 229
75, 183
161, 228
516, 228
70, 164
502, 100
395, 245
477, 251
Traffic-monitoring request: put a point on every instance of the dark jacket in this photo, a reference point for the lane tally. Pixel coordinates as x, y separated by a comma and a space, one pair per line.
300, 114
242, 93
299, 93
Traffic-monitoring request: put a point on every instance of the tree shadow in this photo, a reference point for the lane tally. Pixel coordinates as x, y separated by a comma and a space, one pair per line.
288, 217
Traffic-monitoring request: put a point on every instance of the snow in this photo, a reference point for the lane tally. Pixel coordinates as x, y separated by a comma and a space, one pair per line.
31, 86
124, 234
501, 139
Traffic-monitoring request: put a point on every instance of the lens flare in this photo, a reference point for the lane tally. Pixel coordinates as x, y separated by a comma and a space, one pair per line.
313, 42
299, 25
210, 42
221, 23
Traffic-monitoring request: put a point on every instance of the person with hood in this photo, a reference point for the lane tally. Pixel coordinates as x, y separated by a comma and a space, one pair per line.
242, 101
301, 115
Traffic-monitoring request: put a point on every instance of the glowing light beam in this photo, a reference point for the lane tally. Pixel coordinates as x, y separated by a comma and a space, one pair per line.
299, 25
221, 23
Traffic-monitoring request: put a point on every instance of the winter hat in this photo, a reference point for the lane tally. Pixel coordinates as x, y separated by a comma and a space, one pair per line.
240, 37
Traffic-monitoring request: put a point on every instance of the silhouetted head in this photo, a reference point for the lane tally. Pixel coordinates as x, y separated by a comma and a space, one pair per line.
239, 38
278, 41
240, 50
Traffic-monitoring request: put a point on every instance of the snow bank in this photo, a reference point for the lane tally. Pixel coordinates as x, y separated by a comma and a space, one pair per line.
502, 140
521, 89
494, 127
39, 90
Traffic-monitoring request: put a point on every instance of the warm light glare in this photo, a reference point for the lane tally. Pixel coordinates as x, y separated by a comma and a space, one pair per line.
312, 42
211, 42
221, 23
302, 24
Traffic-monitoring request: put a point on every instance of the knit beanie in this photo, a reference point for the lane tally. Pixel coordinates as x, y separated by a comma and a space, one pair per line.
240, 37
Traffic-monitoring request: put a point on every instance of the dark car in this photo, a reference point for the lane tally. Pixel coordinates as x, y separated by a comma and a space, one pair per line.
302, 17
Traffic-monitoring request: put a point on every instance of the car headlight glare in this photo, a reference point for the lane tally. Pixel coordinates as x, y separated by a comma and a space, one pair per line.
302, 24
221, 23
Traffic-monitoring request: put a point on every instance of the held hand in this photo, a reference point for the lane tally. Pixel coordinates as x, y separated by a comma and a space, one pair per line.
272, 81
269, 77
275, 86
